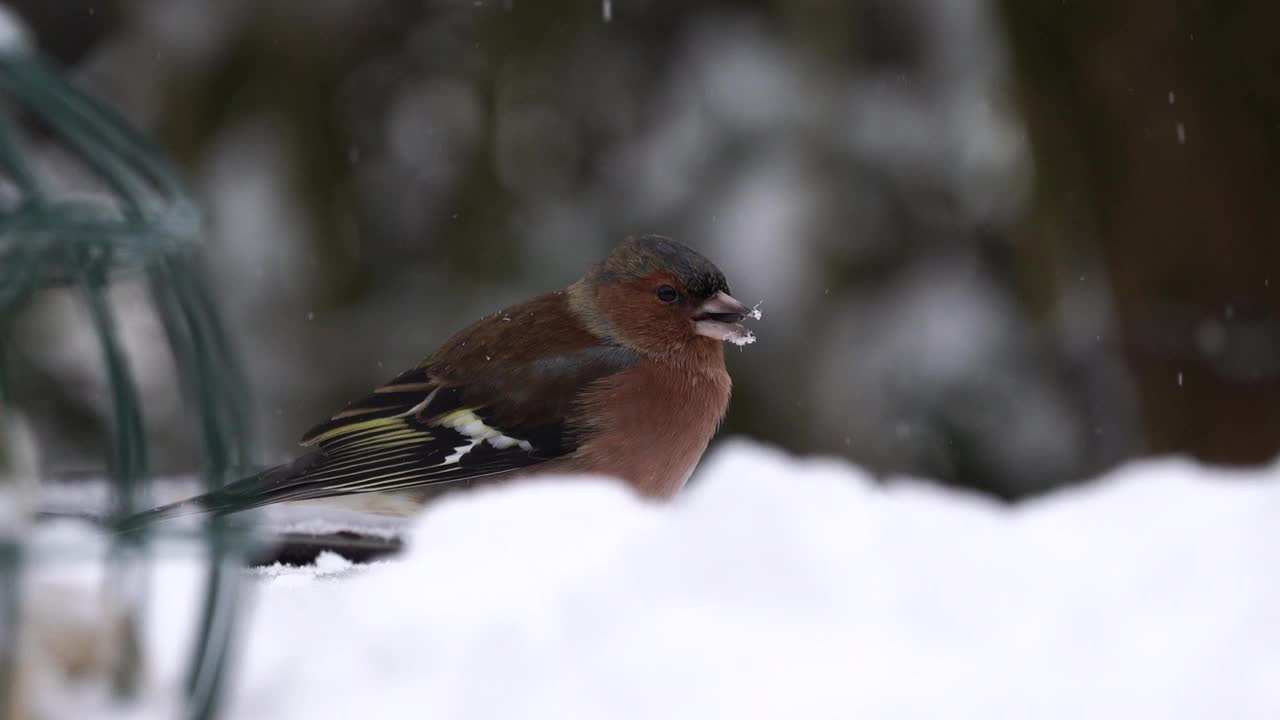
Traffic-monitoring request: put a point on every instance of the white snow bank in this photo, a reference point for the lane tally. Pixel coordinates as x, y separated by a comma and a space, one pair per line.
779, 588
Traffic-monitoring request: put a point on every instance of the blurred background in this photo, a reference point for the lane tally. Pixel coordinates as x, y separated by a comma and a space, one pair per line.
1006, 245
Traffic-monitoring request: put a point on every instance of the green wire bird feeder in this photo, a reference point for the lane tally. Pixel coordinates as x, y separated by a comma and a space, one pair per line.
141, 223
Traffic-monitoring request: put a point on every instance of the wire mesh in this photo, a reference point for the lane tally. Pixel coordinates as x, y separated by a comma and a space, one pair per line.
143, 221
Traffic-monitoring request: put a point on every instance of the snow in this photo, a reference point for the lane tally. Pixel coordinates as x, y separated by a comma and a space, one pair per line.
773, 587
745, 337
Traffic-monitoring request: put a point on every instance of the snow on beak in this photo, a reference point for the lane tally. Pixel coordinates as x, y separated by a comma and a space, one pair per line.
719, 316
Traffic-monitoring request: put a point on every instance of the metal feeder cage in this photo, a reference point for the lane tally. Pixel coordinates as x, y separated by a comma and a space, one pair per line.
142, 224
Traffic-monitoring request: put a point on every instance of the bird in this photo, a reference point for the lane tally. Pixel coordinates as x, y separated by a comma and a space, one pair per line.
622, 373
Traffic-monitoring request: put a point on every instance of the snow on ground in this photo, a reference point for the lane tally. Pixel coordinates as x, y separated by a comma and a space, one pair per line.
776, 588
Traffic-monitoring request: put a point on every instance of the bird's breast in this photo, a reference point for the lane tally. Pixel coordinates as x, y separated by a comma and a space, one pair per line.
651, 423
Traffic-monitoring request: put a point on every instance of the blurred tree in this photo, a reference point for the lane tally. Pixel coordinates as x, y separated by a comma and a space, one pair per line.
1156, 128
68, 31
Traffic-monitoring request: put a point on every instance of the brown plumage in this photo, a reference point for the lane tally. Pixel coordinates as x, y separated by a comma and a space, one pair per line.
622, 373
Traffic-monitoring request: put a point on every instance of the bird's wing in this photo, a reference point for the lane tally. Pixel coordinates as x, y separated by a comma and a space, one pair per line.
430, 427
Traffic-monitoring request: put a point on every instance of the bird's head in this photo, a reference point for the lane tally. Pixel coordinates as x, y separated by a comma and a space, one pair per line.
658, 296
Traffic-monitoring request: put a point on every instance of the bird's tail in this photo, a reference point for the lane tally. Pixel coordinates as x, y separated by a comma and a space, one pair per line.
243, 494
146, 518
131, 523
249, 492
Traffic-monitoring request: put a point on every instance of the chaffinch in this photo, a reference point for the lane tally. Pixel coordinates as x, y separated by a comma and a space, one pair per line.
622, 373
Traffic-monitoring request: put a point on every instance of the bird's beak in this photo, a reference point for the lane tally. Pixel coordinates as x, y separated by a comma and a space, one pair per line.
718, 318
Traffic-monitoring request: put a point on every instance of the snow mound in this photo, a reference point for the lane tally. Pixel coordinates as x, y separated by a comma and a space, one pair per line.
778, 588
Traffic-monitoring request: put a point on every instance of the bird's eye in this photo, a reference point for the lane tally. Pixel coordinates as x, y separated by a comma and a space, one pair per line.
667, 294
